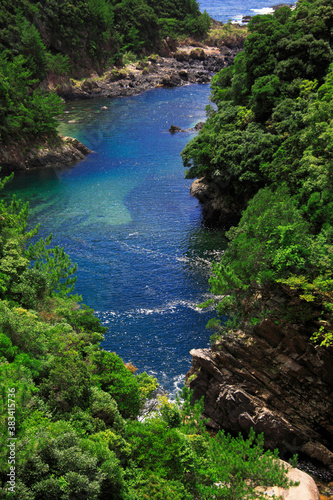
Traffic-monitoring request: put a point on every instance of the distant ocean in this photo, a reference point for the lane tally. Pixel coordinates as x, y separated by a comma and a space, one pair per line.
223, 10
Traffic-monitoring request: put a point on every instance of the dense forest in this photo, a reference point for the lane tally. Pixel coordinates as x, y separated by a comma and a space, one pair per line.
267, 149
57, 39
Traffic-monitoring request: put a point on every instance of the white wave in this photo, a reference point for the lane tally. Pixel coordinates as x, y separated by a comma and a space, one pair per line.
178, 383
264, 10
169, 308
183, 259
237, 20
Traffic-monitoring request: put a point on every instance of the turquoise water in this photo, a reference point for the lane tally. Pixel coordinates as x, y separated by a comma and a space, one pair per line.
126, 216
223, 10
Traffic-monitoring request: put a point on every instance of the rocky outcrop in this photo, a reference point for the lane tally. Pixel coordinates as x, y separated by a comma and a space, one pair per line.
65, 151
216, 208
176, 66
174, 128
273, 380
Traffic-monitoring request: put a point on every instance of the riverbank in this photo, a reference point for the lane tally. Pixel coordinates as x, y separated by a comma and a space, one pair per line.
64, 151
176, 65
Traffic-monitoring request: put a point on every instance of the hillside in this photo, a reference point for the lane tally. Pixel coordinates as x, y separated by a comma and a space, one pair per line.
264, 158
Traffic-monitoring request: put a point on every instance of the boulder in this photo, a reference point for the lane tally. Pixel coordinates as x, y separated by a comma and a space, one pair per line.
173, 129
306, 490
181, 56
198, 54
171, 80
183, 74
199, 125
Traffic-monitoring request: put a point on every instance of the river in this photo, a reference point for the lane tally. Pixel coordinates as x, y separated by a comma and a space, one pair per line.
126, 216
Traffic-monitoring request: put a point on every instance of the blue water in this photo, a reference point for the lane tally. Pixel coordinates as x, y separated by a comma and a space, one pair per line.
223, 10
126, 216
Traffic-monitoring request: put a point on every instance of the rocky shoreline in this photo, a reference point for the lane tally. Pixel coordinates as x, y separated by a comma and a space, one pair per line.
215, 210
67, 151
175, 66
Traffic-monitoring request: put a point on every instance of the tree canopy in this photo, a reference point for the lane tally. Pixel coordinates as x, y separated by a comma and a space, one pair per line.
268, 145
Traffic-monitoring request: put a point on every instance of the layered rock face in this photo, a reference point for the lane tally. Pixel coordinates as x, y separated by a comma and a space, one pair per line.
273, 380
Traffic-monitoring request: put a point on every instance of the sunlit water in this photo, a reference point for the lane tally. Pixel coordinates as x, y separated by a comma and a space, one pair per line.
223, 10
126, 216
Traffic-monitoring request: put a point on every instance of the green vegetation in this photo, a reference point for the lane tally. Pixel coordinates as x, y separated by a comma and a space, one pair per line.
43, 42
227, 34
72, 407
268, 147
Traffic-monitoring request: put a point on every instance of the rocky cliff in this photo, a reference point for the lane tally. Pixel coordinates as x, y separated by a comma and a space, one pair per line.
273, 380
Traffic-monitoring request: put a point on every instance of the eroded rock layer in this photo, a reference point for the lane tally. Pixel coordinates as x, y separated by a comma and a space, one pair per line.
273, 380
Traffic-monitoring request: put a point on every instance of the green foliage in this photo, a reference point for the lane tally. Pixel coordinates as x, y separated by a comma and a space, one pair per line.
266, 152
110, 372
32, 288
151, 485
7, 350
54, 263
238, 466
55, 463
265, 93
320, 293
67, 385
203, 467
170, 412
22, 105
104, 407
57, 63
147, 385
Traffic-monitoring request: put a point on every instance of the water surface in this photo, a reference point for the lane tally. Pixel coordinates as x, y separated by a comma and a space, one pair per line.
223, 10
126, 216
